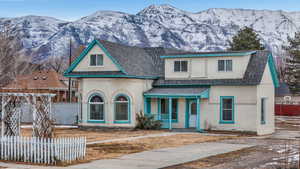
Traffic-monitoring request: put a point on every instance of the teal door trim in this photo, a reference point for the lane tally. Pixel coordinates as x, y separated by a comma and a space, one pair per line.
188, 111
198, 127
170, 113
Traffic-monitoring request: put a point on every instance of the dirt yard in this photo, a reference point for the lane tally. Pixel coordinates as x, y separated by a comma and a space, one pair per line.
97, 135
116, 149
270, 152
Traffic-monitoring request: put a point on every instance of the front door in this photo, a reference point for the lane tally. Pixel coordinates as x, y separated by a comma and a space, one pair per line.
192, 114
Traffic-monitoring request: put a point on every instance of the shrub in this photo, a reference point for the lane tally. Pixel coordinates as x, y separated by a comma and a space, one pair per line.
147, 122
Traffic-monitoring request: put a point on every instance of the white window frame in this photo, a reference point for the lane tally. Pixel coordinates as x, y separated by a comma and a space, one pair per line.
225, 65
180, 66
97, 60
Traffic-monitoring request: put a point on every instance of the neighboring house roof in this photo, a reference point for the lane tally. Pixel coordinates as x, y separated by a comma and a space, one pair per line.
38, 80
137, 62
282, 90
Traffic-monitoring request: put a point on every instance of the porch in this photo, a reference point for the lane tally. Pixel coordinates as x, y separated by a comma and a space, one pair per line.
176, 107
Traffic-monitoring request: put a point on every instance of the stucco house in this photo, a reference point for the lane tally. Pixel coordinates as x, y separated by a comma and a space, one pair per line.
203, 91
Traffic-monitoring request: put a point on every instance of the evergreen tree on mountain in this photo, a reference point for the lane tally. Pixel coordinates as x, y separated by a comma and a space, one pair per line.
292, 63
246, 39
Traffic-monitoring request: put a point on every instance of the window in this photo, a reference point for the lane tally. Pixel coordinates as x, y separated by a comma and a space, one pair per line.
164, 109
225, 65
96, 60
180, 66
227, 109
263, 111
122, 108
96, 106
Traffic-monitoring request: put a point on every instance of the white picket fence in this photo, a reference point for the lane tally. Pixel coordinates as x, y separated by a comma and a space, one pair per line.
42, 150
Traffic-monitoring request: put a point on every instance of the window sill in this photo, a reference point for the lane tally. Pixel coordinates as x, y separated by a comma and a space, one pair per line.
96, 121
122, 122
226, 122
262, 122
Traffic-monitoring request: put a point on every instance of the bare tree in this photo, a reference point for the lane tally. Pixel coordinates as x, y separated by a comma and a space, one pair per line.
60, 64
9, 54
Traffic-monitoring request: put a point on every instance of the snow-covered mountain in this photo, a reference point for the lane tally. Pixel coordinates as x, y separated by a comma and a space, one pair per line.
156, 25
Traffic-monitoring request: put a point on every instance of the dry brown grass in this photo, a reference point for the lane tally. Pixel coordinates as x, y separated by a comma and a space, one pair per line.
117, 149
98, 135
214, 160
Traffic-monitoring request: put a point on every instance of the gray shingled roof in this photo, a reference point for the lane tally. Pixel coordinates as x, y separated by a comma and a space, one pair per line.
137, 61
253, 74
175, 91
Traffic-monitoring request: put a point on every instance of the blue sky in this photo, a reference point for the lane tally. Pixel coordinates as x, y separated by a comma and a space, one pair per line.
75, 9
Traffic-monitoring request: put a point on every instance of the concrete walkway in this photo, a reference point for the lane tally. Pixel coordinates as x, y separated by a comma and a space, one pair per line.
155, 158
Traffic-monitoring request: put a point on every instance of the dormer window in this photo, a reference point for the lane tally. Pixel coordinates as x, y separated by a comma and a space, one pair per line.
224, 65
96, 60
180, 66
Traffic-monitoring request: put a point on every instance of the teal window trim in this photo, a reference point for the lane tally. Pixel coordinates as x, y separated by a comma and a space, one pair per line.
86, 51
129, 110
148, 105
221, 110
209, 55
96, 121
159, 110
263, 110
273, 70
88, 107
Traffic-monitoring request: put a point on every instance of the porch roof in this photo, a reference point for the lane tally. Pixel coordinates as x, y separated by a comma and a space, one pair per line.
202, 92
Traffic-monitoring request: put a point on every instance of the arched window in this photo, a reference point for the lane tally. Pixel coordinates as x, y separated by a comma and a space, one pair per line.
122, 108
96, 106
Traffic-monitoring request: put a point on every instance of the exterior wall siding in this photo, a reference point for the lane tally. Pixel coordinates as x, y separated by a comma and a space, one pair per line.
266, 90
108, 88
108, 64
207, 67
244, 108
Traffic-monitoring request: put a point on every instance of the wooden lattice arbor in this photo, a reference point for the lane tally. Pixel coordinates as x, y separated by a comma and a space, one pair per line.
40, 105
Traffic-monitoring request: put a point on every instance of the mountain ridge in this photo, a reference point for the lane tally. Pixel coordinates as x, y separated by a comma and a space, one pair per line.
46, 37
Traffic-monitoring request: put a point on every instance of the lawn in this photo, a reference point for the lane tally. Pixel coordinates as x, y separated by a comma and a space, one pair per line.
97, 135
120, 148
117, 149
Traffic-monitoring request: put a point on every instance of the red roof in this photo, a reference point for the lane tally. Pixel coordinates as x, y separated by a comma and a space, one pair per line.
39, 80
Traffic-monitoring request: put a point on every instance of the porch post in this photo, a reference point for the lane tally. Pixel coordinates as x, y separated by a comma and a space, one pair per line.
198, 114
145, 106
170, 113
